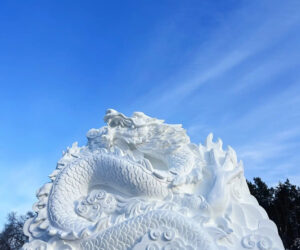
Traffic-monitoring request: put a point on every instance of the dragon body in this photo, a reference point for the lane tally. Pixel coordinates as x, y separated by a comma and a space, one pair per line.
140, 183
85, 173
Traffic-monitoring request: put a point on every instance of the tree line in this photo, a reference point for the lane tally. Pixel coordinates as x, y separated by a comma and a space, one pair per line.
282, 204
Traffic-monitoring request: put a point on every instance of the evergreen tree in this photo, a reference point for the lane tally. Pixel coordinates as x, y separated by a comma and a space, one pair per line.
283, 207
12, 236
286, 212
262, 193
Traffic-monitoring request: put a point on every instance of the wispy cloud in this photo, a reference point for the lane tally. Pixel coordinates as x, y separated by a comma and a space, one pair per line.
268, 114
281, 108
272, 147
269, 147
182, 91
248, 44
262, 74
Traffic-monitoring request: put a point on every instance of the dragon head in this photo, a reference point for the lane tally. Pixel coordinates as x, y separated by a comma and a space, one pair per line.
144, 133
145, 136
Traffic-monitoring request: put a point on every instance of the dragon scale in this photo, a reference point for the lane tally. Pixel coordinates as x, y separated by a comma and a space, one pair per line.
83, 174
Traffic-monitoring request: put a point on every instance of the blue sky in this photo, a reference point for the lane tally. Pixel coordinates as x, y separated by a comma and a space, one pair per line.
227, 67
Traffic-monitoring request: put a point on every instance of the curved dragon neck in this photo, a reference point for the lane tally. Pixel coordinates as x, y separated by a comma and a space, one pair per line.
82, 175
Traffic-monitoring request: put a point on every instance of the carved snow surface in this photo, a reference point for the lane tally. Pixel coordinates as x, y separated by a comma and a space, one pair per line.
140, 183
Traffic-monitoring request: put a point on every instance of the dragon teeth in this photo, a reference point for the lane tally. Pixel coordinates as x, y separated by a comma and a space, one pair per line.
158, 175
148, 165
118, 152
103, 150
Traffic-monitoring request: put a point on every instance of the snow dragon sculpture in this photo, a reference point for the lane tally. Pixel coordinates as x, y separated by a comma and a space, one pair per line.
140, 183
